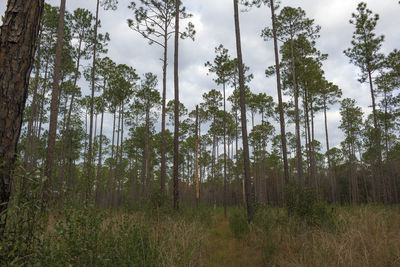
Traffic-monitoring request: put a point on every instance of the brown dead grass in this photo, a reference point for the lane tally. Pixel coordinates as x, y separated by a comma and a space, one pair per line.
363, 236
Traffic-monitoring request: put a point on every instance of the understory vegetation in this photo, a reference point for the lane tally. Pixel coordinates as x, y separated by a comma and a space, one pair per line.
149, 234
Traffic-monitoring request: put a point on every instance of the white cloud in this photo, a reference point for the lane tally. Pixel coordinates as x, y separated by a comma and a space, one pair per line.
214, 25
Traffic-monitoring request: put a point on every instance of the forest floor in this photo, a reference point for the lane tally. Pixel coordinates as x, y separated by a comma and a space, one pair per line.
224, 249
357, 236
363, 235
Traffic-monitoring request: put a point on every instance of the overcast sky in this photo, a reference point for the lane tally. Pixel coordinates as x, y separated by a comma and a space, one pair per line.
214, 24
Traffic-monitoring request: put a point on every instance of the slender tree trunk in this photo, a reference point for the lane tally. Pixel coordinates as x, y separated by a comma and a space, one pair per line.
310, 141
224, 122
116, 169
54, 105
176, 109
90, 158
147, 153
18, 36
121, 151
100, 152
248, 180
197, 156
330, 174
110, 176
68, 120
300, 176
380, 179
28, 142
35, 147
386, 125
280, 102
163, 115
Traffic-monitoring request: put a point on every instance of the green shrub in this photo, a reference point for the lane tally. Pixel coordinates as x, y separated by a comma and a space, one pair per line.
85, 238
26, 218
238, 223
308, 207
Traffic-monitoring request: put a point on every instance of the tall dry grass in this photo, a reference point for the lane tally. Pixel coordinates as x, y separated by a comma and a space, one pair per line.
362, 236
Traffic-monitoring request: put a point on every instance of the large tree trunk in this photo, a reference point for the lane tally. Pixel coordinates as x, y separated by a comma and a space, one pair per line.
280, 102
17, 48
176, 109
248, 180
55, 100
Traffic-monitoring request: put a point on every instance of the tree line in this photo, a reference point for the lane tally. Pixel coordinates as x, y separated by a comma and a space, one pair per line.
226, 151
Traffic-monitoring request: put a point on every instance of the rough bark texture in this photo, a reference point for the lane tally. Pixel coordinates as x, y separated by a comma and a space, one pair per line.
17, 48
55, 101
248, 180
176, 109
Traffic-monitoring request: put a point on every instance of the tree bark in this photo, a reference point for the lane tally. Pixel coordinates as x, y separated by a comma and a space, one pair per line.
18, 37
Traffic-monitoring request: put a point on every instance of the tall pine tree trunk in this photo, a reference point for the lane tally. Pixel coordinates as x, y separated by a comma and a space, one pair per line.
100, 153
90, 152
163, 115
300, 176
18, 37
225, 186
248, 180
55, 100
29, 134
379, 178
197, 157
176, 109
280, 102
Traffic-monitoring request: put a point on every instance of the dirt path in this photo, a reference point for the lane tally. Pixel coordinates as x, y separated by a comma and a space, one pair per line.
225, 250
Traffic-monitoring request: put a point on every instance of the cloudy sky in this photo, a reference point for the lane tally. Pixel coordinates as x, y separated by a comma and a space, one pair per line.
214, 24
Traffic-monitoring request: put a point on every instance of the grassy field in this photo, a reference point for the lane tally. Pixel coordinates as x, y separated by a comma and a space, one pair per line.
352, 236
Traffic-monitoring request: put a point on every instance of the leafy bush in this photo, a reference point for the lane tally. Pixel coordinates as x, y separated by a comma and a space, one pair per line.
238, 223
307, 206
